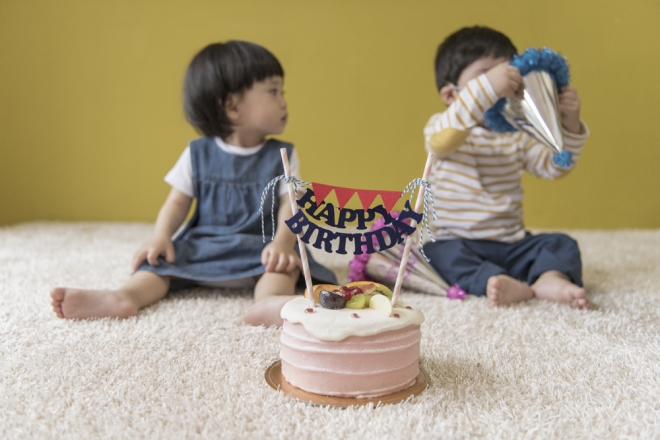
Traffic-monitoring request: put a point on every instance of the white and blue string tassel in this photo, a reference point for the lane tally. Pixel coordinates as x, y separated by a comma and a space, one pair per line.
271, 186
428, 200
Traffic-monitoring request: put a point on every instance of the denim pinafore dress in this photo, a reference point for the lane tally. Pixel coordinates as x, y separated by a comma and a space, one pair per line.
223, 239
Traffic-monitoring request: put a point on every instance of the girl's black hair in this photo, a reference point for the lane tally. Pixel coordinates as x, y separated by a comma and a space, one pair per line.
466, 46
217, 71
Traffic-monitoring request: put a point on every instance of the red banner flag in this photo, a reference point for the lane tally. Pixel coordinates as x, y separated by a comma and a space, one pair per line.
367, 197
389, 198
321, 191
343, 195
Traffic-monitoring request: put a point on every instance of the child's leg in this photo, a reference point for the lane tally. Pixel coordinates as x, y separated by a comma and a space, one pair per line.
555, 286
553, 266
478, 266
470, 263
142, 289
273, 290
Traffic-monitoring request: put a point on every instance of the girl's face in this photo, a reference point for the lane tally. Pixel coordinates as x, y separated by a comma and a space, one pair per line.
260, 110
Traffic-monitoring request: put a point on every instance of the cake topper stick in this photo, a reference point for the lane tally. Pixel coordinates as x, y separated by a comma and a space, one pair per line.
413, 223
301, 245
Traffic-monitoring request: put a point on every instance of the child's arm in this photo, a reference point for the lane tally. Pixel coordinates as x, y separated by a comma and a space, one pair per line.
170, 217
538, 160
446, 132
569, 107
279, 255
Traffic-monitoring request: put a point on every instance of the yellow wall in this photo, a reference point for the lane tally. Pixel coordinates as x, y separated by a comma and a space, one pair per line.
90, 97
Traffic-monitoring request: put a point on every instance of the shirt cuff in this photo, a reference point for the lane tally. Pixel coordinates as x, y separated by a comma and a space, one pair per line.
576, 138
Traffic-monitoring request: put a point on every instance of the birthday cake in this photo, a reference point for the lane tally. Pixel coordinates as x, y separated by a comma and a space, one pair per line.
354, 344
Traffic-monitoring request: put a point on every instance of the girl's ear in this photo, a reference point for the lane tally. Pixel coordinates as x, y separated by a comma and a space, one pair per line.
231, 107
447, 94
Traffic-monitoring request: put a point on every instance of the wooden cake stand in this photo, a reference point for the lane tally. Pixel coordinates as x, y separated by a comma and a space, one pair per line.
275, 379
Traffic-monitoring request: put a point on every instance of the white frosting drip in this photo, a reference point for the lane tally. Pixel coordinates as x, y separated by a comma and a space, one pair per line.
335, 325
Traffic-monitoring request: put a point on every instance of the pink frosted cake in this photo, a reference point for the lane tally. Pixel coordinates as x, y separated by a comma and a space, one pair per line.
350, 353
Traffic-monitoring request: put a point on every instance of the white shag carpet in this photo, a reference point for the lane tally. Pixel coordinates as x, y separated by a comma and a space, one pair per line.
187, 367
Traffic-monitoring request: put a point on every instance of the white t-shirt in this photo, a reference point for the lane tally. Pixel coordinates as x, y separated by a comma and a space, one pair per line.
180, 176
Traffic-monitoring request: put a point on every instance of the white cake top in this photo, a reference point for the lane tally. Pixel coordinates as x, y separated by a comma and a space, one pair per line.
335, 325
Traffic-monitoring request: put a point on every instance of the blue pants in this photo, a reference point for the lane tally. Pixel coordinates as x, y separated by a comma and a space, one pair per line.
471, 262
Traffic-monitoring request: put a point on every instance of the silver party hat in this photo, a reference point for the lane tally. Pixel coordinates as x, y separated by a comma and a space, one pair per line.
537, 113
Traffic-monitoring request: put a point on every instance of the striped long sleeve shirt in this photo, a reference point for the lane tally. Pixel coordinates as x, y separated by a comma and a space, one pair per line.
477, 187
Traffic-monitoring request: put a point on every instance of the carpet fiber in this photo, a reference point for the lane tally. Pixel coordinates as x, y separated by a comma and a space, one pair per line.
187, 367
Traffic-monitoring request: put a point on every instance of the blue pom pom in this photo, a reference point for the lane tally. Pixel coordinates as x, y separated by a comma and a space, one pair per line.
495, 120
531, 60
563, 159
546, 60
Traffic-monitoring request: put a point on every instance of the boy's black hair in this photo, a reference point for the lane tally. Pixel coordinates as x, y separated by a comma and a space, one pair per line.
215, 72
466, 46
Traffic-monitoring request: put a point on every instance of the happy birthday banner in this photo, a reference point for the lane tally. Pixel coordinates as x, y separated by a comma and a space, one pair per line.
322, 224
330, 241
394, 230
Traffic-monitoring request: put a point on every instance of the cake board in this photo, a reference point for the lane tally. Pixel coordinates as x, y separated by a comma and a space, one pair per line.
276, 381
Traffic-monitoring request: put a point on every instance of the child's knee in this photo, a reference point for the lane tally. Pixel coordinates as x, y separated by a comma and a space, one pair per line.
564, 242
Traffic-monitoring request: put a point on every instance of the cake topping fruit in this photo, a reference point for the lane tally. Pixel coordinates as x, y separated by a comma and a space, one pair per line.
356, 295
309, 310
381, 303
355, 315
369, 288
331, 300
408, 307
346, 292
396, 315
359, 301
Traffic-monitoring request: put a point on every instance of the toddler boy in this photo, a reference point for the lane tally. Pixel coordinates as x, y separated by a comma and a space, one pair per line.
476, 180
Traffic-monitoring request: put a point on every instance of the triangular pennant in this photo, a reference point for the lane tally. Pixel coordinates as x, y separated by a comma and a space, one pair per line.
343, 195
367, 197
321, 191
389, 198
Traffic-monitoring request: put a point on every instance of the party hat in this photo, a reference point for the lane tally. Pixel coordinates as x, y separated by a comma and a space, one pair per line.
537, 113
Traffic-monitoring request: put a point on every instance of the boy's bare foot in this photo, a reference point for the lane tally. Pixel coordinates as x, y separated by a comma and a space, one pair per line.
266, 311
502, 289
80, 304
555, 286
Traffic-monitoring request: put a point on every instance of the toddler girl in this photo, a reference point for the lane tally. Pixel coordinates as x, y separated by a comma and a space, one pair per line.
233, 94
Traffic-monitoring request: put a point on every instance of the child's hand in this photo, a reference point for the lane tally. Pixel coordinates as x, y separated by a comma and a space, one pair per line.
506, 80
152, 249
569, 107
278, 258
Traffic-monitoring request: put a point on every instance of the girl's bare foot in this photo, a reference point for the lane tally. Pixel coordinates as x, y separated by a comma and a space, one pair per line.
502, 289
80, 304
266, 311
555, 286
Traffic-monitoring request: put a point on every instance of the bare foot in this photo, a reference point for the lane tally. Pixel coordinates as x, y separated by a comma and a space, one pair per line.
266, 311
502, 289
80, 304
555, 286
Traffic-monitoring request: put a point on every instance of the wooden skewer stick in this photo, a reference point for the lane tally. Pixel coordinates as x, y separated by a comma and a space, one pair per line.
301, 244
413, 223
